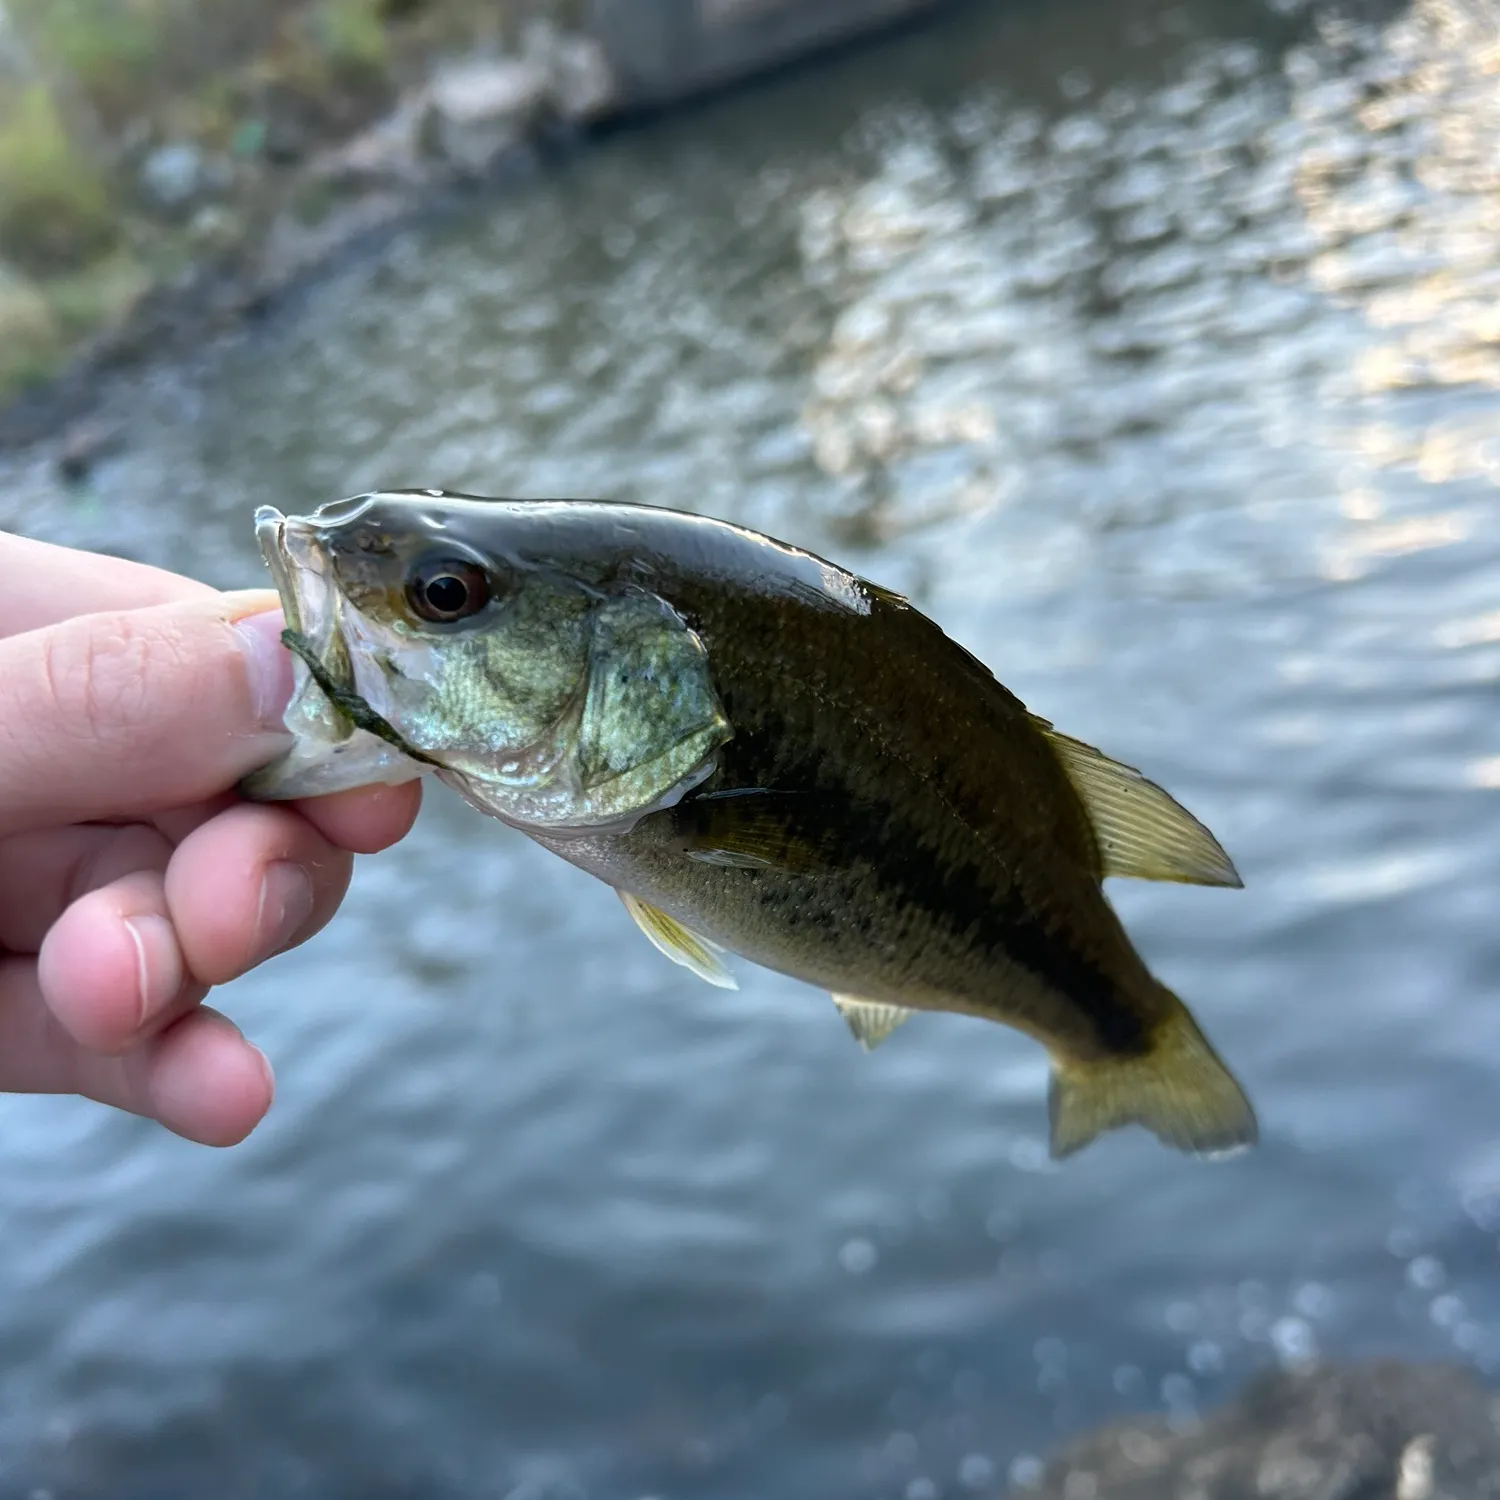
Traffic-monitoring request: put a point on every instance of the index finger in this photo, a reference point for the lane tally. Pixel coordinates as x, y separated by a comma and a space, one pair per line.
131, 713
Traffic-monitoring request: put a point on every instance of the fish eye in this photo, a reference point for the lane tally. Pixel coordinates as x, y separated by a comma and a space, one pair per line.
445, 589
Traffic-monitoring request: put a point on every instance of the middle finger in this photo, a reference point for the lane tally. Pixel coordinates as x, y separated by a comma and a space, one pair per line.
43, 873
111, 968
250, 883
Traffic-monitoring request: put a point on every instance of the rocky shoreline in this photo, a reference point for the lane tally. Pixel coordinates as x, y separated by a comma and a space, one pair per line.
1377, 1431
233, 221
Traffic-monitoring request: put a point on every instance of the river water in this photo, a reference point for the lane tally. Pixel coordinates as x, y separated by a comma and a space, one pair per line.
1153, 350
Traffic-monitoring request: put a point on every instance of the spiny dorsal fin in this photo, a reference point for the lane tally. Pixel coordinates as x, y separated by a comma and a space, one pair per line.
871, 1021
680, 945
1141, 831
1178, 1089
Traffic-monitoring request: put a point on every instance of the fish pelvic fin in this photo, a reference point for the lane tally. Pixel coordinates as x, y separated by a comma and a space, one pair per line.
683, 946
1178, 1089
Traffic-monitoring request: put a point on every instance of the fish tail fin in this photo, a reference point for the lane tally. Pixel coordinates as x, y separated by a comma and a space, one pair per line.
1178, 1089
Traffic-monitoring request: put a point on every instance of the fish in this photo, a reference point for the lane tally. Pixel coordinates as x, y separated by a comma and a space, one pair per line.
766, 756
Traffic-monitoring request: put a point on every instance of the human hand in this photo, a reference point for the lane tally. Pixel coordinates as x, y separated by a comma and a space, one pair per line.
132, 878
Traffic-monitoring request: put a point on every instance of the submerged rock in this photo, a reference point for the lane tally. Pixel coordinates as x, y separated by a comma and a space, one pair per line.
1381, 1431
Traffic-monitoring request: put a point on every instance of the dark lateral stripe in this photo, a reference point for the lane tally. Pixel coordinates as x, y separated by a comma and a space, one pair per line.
952, 895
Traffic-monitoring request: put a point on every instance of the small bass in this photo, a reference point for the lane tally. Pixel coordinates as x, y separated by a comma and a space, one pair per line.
764, 755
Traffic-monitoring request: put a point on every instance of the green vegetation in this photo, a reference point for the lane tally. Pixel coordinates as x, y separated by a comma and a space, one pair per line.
109, 47
128, 57
55, 206
351, 33
31, 344
99, 296
255, 86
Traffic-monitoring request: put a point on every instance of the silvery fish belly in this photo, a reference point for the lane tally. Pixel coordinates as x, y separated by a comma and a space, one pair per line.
764, 755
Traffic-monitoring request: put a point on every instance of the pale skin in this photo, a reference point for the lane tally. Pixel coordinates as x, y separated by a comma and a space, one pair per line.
132, 878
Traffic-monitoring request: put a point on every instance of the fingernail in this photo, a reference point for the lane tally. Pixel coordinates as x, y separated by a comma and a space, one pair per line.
242, 602
158, 965
286, 902
268, 664
266, 1070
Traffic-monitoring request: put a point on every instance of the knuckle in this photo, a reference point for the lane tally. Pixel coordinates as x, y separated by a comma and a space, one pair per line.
102, 674
94, 677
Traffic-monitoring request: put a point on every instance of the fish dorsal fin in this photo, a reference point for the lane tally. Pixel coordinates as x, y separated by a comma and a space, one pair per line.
754, 828
871, 1021
679, 944
1141, 831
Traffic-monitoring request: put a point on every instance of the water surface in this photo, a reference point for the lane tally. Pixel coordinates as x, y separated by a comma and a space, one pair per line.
1153, 350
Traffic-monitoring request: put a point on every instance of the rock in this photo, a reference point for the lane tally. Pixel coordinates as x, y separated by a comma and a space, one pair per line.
582, 84
216, 227
472, 114
178, 177
477, 111
86, 444
1380, 1431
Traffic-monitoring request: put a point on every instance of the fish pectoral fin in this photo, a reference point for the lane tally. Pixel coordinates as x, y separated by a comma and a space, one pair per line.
871, 1021
1141, 831
751, 828
1178, 1089
679, 944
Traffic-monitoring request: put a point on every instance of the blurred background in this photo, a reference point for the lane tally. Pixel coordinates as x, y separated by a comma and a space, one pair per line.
1153, 349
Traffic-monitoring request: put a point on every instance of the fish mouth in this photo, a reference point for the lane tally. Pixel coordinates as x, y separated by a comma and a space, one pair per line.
338, 740
300, 573
295, 552
309, 605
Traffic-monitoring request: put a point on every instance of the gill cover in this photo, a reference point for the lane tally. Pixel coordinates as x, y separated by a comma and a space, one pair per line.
637, 736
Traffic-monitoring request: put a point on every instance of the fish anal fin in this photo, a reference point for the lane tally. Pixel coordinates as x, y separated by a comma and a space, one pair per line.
1141, 831
680, 944
871, 1021
1178, 1089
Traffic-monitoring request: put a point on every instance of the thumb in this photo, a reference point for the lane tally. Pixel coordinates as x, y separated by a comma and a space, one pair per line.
127, 713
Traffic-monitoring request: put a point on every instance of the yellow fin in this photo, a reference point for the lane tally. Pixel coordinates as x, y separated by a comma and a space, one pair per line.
871, 1021
1179, 1090
1141, 831
680, 945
